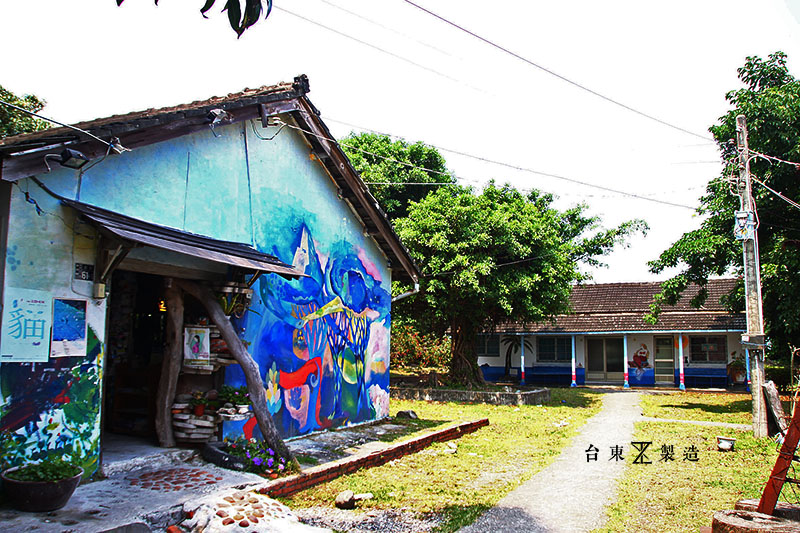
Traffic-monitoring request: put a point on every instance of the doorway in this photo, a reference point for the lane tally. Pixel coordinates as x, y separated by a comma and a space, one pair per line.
136, 323
664, 361
605, 360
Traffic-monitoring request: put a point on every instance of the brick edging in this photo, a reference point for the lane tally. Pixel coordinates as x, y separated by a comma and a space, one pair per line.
326, 472
530, 397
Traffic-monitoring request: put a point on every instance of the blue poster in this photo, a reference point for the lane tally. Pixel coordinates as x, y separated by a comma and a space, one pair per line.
69, 328
25, 335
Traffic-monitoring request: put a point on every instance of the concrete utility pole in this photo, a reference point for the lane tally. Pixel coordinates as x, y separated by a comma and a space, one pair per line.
745, 231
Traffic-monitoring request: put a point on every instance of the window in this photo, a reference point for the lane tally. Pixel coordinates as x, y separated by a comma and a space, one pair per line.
708, 349
488, 346
555, 349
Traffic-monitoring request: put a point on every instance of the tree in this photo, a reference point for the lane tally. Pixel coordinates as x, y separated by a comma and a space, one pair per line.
380, 160
239, 19
770, 101
495, 256
14, 122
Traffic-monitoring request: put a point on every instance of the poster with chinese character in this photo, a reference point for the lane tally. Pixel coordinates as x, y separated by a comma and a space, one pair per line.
196, 351
25, 336
69, 328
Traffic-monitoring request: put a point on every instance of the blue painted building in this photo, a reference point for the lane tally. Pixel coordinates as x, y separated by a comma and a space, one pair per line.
247, 190
605, 340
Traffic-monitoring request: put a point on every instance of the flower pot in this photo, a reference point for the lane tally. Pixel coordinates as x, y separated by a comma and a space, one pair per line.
199, 409
39, 496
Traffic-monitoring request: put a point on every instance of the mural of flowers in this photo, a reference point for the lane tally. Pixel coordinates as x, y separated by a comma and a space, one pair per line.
380, 401
273, 391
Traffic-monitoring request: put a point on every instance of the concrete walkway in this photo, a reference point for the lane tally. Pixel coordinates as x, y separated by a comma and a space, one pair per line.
571, 494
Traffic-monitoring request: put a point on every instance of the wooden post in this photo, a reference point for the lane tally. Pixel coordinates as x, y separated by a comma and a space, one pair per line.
171, 364
255, 386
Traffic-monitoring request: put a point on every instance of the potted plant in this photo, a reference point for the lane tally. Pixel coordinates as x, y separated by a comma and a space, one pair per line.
736, 368
198, 403
41, 487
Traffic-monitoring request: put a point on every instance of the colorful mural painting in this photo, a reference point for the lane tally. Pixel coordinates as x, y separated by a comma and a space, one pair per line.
321, 341
52, 409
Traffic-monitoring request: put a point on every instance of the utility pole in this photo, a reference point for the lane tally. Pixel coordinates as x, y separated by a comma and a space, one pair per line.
745, 230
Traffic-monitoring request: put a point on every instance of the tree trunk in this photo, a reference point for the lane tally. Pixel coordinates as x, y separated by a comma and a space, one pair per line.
171, 364
255, 386
464, 361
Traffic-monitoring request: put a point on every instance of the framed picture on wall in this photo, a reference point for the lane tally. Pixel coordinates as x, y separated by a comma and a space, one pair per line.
69, 328
196, 346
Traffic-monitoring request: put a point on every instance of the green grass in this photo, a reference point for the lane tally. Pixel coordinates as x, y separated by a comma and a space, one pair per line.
723, 407
489, 463
682, 496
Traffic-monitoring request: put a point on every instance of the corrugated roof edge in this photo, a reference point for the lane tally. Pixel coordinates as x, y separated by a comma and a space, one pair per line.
23, 155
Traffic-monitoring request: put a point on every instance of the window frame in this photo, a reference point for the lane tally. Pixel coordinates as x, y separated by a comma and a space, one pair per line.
706, 339
567, 348
482, 344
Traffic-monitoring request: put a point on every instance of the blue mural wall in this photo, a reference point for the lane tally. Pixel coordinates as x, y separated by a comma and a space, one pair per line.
322, 342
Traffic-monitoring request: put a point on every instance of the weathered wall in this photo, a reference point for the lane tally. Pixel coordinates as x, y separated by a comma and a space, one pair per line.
319, 371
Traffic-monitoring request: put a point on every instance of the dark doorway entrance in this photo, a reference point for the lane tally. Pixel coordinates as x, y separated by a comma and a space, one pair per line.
135, 349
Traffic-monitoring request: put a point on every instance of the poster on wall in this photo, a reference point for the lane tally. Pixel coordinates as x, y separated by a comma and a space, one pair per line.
196, 347
25, 334
69, 328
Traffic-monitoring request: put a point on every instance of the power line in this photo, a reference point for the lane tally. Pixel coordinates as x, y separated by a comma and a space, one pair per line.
383, 26
538, 172
555, 74
383, 50
776, 193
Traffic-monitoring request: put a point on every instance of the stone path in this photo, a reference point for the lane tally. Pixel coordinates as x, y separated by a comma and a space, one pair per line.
571, 494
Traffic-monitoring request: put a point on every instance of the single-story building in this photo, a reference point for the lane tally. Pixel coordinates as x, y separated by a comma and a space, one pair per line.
605, 339
102, 228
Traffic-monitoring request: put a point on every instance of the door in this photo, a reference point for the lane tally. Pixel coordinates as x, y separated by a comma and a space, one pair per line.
664, 360
605, 359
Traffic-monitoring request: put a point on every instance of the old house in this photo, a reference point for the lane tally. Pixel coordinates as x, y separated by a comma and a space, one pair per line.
246, 194
605, 339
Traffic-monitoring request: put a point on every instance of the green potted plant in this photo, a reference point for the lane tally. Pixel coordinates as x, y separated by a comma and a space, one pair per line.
198, 403
41, 487
736, 368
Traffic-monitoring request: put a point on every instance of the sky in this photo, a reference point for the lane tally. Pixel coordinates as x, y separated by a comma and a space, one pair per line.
387, 66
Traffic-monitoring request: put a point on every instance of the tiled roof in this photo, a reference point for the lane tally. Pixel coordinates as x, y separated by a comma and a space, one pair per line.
607, 307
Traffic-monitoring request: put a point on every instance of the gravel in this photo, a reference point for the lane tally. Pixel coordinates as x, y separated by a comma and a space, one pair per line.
389, 521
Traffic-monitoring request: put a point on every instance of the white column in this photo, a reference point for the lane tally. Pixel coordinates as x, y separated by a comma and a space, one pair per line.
574, 383
522, 359
682, 385
625, 360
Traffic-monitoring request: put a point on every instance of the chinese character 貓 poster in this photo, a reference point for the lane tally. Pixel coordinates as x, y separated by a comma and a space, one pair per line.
25, 336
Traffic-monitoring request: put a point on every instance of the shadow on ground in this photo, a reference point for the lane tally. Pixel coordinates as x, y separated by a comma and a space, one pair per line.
738, 406
328, 446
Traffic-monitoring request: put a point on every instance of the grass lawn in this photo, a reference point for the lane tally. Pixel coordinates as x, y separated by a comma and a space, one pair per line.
712, 407
489, 463
683, 495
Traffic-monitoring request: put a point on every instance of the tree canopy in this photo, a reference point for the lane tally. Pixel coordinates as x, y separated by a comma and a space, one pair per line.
380, 160
498, 255
14, 122
239, 19
770, 101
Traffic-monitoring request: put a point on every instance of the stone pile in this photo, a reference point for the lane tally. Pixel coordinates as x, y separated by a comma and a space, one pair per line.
189, 427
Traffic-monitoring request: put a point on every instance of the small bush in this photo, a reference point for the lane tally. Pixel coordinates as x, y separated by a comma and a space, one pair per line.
411, 348
51, 470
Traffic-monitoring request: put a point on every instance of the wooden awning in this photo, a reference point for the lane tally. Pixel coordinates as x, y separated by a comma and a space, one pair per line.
132, 230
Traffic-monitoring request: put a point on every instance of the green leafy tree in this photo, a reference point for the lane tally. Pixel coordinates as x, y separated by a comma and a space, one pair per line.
240, 17
14, 122
495, 256
770, 101
380, 160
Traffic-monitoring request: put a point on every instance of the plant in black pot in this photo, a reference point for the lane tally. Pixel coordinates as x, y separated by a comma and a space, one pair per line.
41, 487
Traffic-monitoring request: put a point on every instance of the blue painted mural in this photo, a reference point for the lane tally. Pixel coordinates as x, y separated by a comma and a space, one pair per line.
322, 342
52, 409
